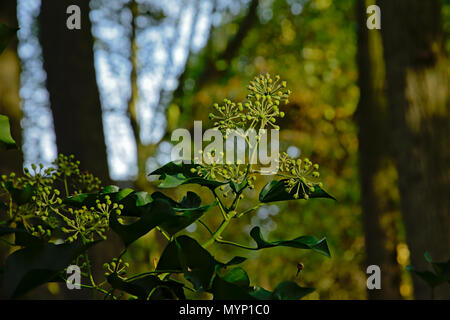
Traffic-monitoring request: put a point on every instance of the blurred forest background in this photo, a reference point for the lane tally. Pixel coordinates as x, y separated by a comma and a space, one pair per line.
371, 106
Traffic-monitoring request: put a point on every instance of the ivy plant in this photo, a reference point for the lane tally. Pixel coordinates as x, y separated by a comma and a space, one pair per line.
52, 217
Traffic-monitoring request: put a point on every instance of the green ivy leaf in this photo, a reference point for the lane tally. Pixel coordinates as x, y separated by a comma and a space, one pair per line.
142, 287
188, 211
289, 290
224, 290
30, 267
303, 242
276, 191
153, 214
19, 195
429, 277
238, 276
6, 140
174, 174
186, 255
6, 34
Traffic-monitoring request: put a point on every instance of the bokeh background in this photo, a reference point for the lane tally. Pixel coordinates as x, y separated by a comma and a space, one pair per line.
112, 93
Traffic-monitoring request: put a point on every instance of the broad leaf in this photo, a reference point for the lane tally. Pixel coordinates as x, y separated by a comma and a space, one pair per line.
276, 191
6, 140
6, 34
30, 267
142, 287
429, 277
238, 276
19, 195
303, 242
153, 214
224, 290
186, 255
187, 211
289, 290
174, 174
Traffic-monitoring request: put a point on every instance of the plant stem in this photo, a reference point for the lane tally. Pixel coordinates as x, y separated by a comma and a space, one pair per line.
231, 243
65, 186
217, 234
206, 226
169, 238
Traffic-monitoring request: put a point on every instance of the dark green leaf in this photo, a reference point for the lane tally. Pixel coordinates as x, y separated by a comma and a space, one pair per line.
429, 277
188, 211
186, 255
276, 191
224, 290
174, 174
6, 34
6, 140
303, 242
19, 195
289, 290
30, 267
238, 276
153, 214
142, 287
238, 187
442, 269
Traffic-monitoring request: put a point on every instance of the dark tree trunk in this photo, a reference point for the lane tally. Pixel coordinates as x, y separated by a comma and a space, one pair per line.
71, 82
377, 204
11, 160
75, 103
418, 93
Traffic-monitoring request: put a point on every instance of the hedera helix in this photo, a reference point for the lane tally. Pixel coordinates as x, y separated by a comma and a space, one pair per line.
54, 216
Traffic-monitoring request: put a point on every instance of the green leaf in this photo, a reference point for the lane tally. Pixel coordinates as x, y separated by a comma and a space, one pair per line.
6, 140
153, 214
6, 34
303, 242
19, 195
110, 189
186, 255
289, 290
276, 191
224, 290
261, 293
442, 269
174, 174
429, 277
30, 267
22, 237
238, 187
142, 287
234, 261
189, 210
238, 276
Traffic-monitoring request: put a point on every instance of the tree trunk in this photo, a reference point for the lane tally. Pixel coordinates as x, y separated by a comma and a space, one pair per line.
71, 82
377, 203
11, 160
418, 93
75, 103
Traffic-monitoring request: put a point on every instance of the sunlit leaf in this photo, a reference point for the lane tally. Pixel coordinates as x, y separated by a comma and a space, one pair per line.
276, 191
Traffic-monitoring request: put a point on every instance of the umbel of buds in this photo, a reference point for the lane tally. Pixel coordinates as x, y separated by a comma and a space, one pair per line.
302, 175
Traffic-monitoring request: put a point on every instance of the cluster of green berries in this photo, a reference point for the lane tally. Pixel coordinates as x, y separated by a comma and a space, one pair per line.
35, 201
117, 266
260, 110
302, 175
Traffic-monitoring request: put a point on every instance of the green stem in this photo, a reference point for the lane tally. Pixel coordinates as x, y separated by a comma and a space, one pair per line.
249, 210
206, 226
221, 206
231, 243
217, 234
65, 186
168, 237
